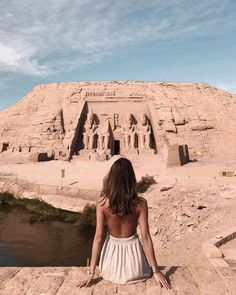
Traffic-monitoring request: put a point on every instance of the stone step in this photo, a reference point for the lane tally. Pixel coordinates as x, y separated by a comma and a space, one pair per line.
64, 281
138, 288
152, 288
47, 283
208, 280
183, 281
6, 273
21, 281
105, 288
70, 284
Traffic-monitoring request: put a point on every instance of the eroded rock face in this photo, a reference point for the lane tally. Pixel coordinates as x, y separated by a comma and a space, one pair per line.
51, 118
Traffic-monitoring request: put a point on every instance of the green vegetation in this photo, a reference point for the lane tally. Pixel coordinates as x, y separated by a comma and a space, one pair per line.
88, 215
42, 211
144, 184
7, 199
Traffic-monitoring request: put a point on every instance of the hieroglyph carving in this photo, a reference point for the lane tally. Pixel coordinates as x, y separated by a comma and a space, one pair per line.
100, 93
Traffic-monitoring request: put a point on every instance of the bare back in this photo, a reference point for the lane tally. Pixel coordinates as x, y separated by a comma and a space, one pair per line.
121, 226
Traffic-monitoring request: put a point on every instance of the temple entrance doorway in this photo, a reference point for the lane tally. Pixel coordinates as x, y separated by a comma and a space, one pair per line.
116, 147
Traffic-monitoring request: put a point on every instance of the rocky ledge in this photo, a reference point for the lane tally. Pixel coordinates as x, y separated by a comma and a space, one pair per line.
64, 280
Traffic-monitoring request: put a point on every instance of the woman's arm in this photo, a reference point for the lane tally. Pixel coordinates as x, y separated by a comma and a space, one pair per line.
146, 237
97, 244
148, 245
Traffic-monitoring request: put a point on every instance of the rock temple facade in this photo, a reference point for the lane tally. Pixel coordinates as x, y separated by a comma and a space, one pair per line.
96, 120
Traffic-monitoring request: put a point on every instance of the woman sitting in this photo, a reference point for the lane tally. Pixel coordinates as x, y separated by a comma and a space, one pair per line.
123, 259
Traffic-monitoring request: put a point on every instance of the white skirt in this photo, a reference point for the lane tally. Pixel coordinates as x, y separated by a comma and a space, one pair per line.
123, 260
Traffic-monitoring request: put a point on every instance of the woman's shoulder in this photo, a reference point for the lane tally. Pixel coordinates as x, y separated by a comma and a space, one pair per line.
141, 203
141, 200
102, 201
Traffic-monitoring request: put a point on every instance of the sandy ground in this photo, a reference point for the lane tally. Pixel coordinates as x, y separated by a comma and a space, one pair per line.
80, 174
89, 174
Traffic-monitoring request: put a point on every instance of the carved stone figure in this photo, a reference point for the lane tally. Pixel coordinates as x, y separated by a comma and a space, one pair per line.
104, 135
144, 132
90, 129
129, 131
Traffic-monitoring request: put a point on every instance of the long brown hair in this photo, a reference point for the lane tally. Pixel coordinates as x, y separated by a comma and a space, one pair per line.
119, 186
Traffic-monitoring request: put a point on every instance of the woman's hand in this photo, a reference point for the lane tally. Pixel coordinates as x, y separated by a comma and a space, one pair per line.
161, 280
86, 282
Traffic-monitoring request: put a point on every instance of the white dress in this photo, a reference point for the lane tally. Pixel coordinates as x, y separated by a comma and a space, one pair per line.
123, 260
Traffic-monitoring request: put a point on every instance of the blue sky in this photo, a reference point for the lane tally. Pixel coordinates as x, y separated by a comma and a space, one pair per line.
76, 40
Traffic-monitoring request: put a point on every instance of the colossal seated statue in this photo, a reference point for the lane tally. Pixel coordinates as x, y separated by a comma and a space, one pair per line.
89, 131
104, 135
129, 131
144, 132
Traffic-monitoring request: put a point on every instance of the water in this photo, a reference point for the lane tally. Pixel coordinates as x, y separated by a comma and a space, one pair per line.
42, 244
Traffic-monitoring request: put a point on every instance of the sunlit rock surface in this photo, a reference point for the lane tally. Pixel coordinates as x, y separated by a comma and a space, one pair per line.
49, 120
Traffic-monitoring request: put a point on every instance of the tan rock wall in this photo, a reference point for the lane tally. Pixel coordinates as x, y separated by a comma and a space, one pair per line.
47, 118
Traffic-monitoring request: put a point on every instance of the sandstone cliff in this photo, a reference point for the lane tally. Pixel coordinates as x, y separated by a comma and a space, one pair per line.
48, 119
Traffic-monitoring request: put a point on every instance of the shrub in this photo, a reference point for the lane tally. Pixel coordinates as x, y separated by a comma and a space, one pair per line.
88, 215
6, 198
42, 211
144, 184
39, 210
